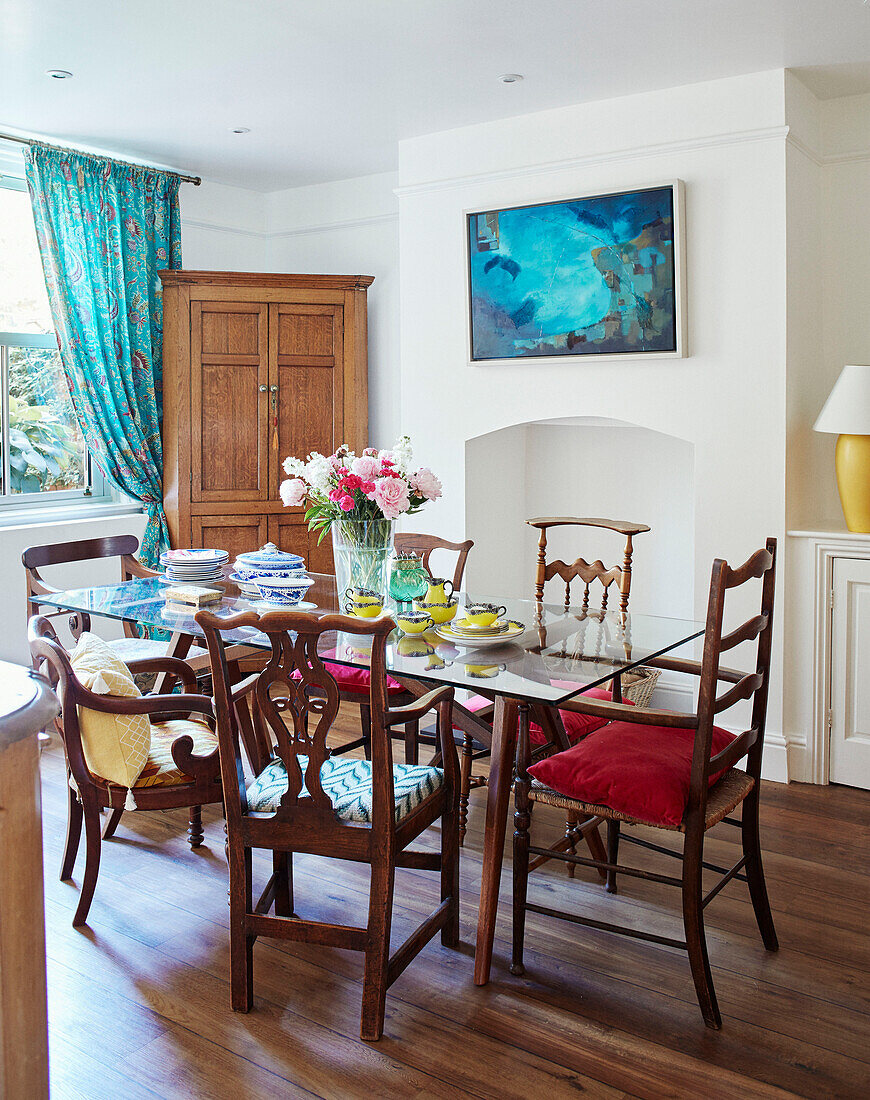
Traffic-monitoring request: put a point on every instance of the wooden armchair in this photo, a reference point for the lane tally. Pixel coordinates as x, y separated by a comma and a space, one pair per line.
553, 728
307, 799
133, 646
183, 769
354, 684
667, 771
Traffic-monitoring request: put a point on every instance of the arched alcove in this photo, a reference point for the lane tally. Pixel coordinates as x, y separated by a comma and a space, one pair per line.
582, 466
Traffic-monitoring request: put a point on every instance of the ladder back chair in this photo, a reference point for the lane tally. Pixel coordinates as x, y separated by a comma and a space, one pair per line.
551, 728
308, 800
668, 771
182, 771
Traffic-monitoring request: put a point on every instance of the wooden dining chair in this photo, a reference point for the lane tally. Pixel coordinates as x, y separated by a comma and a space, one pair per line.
667, 771
309, 800
182, 771
133, 646
353, 683
552, 728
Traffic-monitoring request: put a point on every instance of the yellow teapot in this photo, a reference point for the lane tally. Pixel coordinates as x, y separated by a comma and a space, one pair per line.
437, 591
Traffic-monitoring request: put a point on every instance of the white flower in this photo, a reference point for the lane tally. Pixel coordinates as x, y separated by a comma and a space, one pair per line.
401, 455
318, 472
293, 492
294, 467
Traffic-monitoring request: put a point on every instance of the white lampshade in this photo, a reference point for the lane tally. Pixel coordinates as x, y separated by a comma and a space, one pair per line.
847, 410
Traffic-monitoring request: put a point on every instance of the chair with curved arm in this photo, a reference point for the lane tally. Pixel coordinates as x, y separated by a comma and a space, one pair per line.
307, 799
183, 768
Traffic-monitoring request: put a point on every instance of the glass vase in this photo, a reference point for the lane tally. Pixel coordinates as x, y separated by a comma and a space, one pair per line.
362, 550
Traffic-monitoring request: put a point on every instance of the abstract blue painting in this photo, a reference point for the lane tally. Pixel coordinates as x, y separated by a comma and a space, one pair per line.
588, 276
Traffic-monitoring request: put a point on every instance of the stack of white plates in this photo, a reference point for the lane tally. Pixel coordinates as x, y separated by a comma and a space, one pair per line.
194, 566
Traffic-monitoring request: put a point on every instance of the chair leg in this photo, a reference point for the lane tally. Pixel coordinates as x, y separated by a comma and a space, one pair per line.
73, 834
570, 844
112, 822
412, 743
596, 846
241, 942
612, 854
465, 762
282, 865
696, 940
450, 870
522, 821
195, 835
378, 954
755, 872
365, 721
93, 842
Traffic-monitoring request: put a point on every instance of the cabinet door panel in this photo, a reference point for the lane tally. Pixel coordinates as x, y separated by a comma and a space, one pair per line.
306, 345
229, 414
290, 533
850, 684
235, 534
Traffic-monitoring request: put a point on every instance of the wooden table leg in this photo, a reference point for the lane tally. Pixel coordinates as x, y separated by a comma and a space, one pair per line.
504, 740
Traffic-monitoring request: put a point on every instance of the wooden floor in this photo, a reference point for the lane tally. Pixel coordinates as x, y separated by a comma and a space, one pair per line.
139, 1000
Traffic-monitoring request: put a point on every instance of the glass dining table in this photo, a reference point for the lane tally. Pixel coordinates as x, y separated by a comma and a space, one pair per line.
562, 653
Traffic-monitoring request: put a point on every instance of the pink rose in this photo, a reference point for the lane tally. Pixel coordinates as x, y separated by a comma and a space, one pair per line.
346, 504
366, 467
293, 492
391, 496
426, 483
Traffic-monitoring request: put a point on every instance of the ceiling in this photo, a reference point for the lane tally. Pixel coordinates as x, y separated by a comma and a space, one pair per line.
329, 87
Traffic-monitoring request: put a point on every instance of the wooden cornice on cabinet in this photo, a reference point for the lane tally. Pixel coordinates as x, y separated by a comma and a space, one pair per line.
267, 279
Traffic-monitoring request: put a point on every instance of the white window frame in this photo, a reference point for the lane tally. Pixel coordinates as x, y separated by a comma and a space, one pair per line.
98, 495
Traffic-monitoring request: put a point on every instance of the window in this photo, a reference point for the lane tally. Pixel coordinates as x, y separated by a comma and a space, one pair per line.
43, 457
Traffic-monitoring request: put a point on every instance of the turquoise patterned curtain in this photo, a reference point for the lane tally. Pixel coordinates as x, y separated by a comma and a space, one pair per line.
105, 228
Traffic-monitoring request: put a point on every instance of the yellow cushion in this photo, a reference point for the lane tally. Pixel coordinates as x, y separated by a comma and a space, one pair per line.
115, 745
161, 770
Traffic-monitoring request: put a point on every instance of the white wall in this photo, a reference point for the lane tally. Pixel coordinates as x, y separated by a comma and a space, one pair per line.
350, 226
726, 140
222, 228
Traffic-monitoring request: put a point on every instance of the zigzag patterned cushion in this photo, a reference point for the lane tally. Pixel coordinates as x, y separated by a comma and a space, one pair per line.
348, 785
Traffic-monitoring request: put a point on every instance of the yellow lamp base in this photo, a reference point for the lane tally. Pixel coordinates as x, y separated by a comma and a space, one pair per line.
853, 480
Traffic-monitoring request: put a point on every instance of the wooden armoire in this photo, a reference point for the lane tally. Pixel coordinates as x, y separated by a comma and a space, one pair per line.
256, 367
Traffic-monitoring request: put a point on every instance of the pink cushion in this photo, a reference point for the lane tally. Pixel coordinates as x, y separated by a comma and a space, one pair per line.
357, 680
641, 771
576, 725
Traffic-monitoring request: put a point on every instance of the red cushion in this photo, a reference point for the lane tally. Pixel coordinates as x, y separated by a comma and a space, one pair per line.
352, 678
576, 725
641, 771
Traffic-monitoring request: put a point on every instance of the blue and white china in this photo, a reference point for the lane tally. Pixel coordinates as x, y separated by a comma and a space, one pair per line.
284, 591
268, 559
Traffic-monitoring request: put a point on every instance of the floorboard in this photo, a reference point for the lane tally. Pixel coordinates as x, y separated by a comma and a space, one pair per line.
139, 1000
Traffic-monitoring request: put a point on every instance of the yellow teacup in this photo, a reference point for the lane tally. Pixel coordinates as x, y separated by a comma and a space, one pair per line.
414, 645
363, 610
414, 622
483, 614
440, 612
484, 672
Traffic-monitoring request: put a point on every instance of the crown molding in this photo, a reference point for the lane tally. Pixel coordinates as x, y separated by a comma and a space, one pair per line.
215, 227
327, 227
712, 141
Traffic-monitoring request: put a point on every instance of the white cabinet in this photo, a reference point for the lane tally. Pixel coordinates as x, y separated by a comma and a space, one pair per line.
849, 670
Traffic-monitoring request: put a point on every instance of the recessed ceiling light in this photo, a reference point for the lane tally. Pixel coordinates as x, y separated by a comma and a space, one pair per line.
510, 78
241, 130
58, 74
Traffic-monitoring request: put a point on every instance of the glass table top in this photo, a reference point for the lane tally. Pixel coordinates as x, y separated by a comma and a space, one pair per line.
560, 654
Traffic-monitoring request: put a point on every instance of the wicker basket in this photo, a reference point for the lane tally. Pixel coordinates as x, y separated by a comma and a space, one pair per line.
639, 684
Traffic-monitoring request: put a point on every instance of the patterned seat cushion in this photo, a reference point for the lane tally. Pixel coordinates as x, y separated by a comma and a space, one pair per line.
348, 785
160, 769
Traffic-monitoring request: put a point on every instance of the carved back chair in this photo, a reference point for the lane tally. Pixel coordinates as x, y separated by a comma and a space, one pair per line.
353, 683
183, 770
309, 800
702, 759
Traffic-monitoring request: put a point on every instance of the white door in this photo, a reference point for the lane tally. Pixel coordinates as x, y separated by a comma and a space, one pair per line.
850, 673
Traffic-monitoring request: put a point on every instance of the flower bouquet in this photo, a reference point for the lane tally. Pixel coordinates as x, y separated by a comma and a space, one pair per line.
358, 498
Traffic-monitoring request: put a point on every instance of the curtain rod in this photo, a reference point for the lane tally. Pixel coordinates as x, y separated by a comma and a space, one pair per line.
195, 180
